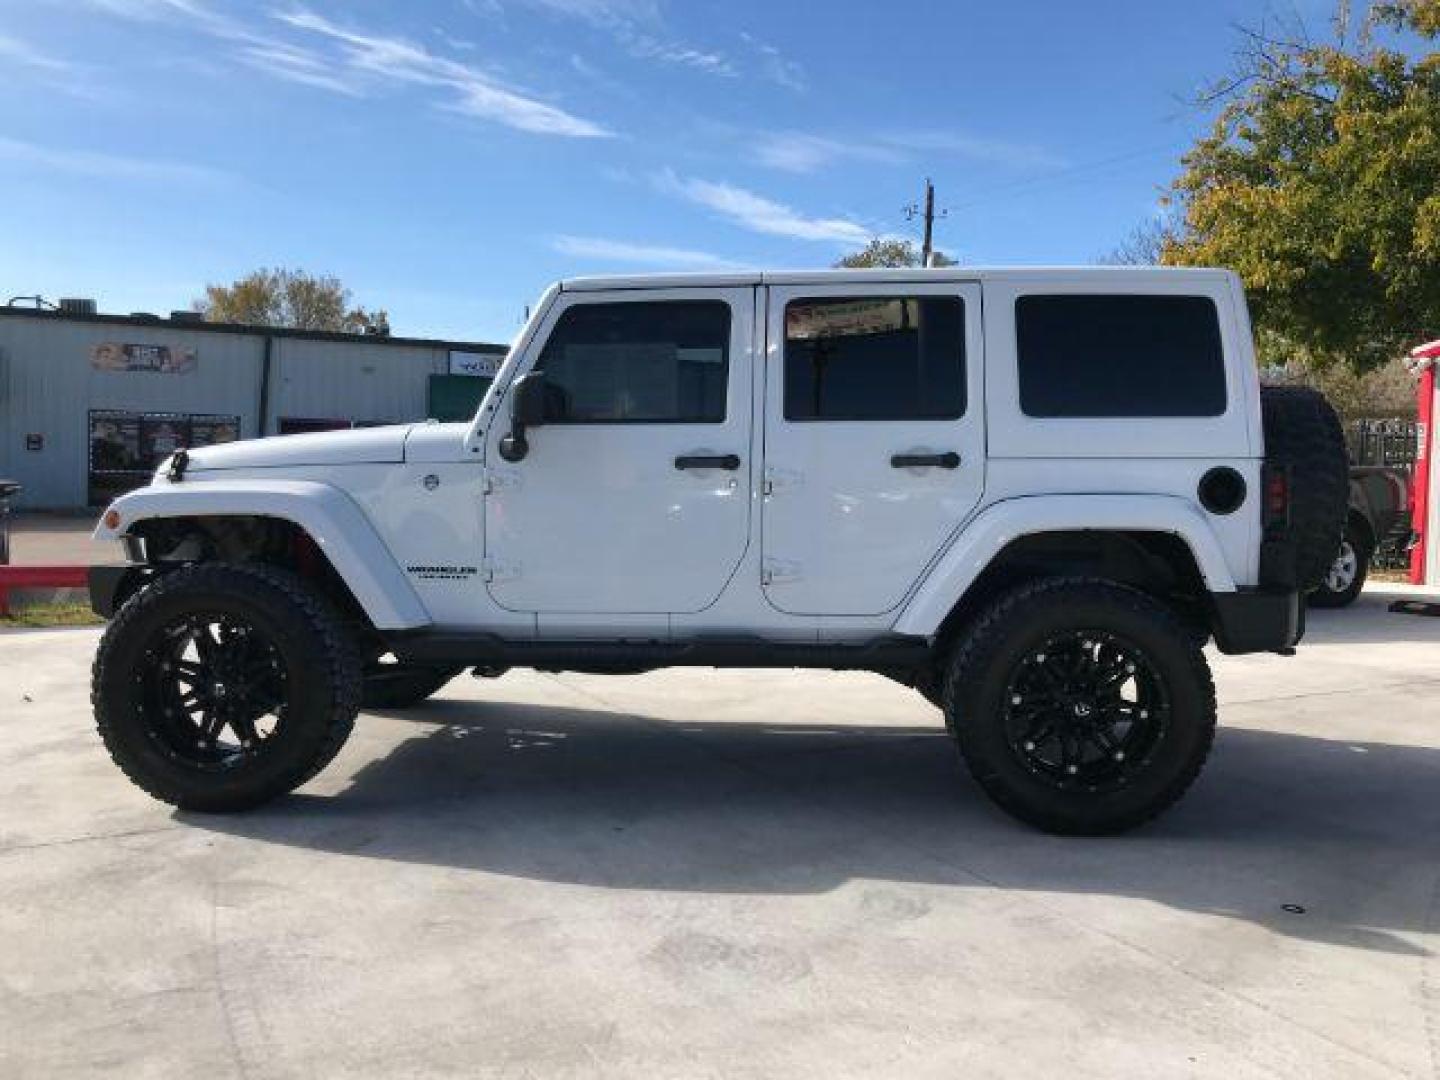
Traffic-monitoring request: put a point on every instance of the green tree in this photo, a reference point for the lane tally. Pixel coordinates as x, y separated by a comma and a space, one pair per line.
1422, 16
290, 298
1320, 184
889, 253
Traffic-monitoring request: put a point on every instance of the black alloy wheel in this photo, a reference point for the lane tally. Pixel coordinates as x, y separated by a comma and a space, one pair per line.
1085, 710
214, 689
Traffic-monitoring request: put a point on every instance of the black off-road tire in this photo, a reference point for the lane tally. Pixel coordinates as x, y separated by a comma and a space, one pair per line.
1303, 433
1347, 575
979, 681
323, 684
400, 686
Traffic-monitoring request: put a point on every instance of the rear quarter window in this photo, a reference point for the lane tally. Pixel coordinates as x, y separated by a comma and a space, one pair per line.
1119, 356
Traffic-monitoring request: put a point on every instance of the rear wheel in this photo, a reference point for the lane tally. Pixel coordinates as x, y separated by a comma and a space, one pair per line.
220, 687
1081, 706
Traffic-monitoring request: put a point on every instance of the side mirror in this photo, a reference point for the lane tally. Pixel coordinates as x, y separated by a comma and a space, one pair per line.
527, 401
527, 410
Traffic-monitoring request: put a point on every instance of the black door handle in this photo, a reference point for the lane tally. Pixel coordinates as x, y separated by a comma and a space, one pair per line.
708, 461
947, 460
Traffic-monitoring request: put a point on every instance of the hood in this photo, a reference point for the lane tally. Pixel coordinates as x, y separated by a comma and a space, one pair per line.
362, 446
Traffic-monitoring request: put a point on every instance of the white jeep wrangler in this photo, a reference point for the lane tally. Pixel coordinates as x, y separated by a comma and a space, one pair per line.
1032, 495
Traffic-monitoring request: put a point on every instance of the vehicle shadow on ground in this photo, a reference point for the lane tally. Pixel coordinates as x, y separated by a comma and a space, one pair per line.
1349, 832
1369, 620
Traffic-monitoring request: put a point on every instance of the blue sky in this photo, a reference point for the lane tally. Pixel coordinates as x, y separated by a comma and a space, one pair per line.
449, 158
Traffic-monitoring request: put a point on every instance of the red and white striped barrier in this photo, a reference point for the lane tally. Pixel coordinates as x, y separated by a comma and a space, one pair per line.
40, 577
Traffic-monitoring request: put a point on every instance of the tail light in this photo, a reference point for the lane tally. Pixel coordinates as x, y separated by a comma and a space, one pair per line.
1275, 497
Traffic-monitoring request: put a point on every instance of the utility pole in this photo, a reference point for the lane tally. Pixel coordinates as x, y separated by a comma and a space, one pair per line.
928, 247
927, 214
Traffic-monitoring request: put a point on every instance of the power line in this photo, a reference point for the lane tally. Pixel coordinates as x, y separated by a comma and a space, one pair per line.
1061, 174
926, 212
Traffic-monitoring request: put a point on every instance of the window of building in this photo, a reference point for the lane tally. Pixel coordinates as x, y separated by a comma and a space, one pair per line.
646, 362
875, 358
1119, 356
127, 447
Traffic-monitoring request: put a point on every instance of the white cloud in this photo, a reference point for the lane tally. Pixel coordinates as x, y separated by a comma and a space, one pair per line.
646, 47
798, 152
151, 9
759, 214
299, 65
775, 65
458, 44
108, 166
801, 152
395, 60
995, 151
602, 12
637, 26
353, 63
24, 54
623, 251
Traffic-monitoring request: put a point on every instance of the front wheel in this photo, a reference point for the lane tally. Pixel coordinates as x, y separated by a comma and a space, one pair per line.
1081, 706
221, 686
1347, 574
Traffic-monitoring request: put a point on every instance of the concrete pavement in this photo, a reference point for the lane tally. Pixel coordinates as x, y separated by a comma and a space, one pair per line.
741, 874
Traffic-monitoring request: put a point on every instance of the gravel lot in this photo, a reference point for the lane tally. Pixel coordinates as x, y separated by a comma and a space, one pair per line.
767, 874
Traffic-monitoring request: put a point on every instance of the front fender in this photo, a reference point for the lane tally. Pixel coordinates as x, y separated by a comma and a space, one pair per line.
997, 526
332, 519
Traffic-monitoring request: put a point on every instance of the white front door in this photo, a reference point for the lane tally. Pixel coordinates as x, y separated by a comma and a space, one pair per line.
634, 496
874, 439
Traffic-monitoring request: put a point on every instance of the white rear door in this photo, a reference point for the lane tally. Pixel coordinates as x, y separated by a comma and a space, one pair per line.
874, 439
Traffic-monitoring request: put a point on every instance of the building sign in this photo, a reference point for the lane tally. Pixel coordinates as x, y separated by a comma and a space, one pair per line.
127, 447
158, 359
483, 365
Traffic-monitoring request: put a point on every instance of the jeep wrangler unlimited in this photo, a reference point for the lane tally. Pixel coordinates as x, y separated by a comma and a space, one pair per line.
1032, 495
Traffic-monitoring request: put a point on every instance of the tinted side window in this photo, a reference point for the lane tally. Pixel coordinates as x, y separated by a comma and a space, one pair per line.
1119, 356
875, 358
655, 362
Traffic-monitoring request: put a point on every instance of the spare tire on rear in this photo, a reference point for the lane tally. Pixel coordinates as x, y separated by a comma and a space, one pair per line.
1303, 435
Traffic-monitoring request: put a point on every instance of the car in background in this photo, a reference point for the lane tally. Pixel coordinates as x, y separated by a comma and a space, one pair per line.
1379, 515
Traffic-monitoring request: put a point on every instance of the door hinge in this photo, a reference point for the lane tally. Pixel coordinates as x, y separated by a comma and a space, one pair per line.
499, 570
774, 571
775, 479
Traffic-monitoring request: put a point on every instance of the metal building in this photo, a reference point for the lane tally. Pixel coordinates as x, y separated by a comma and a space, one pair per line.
89, 403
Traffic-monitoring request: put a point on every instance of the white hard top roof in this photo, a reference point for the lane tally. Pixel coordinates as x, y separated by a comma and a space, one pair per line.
747, 278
